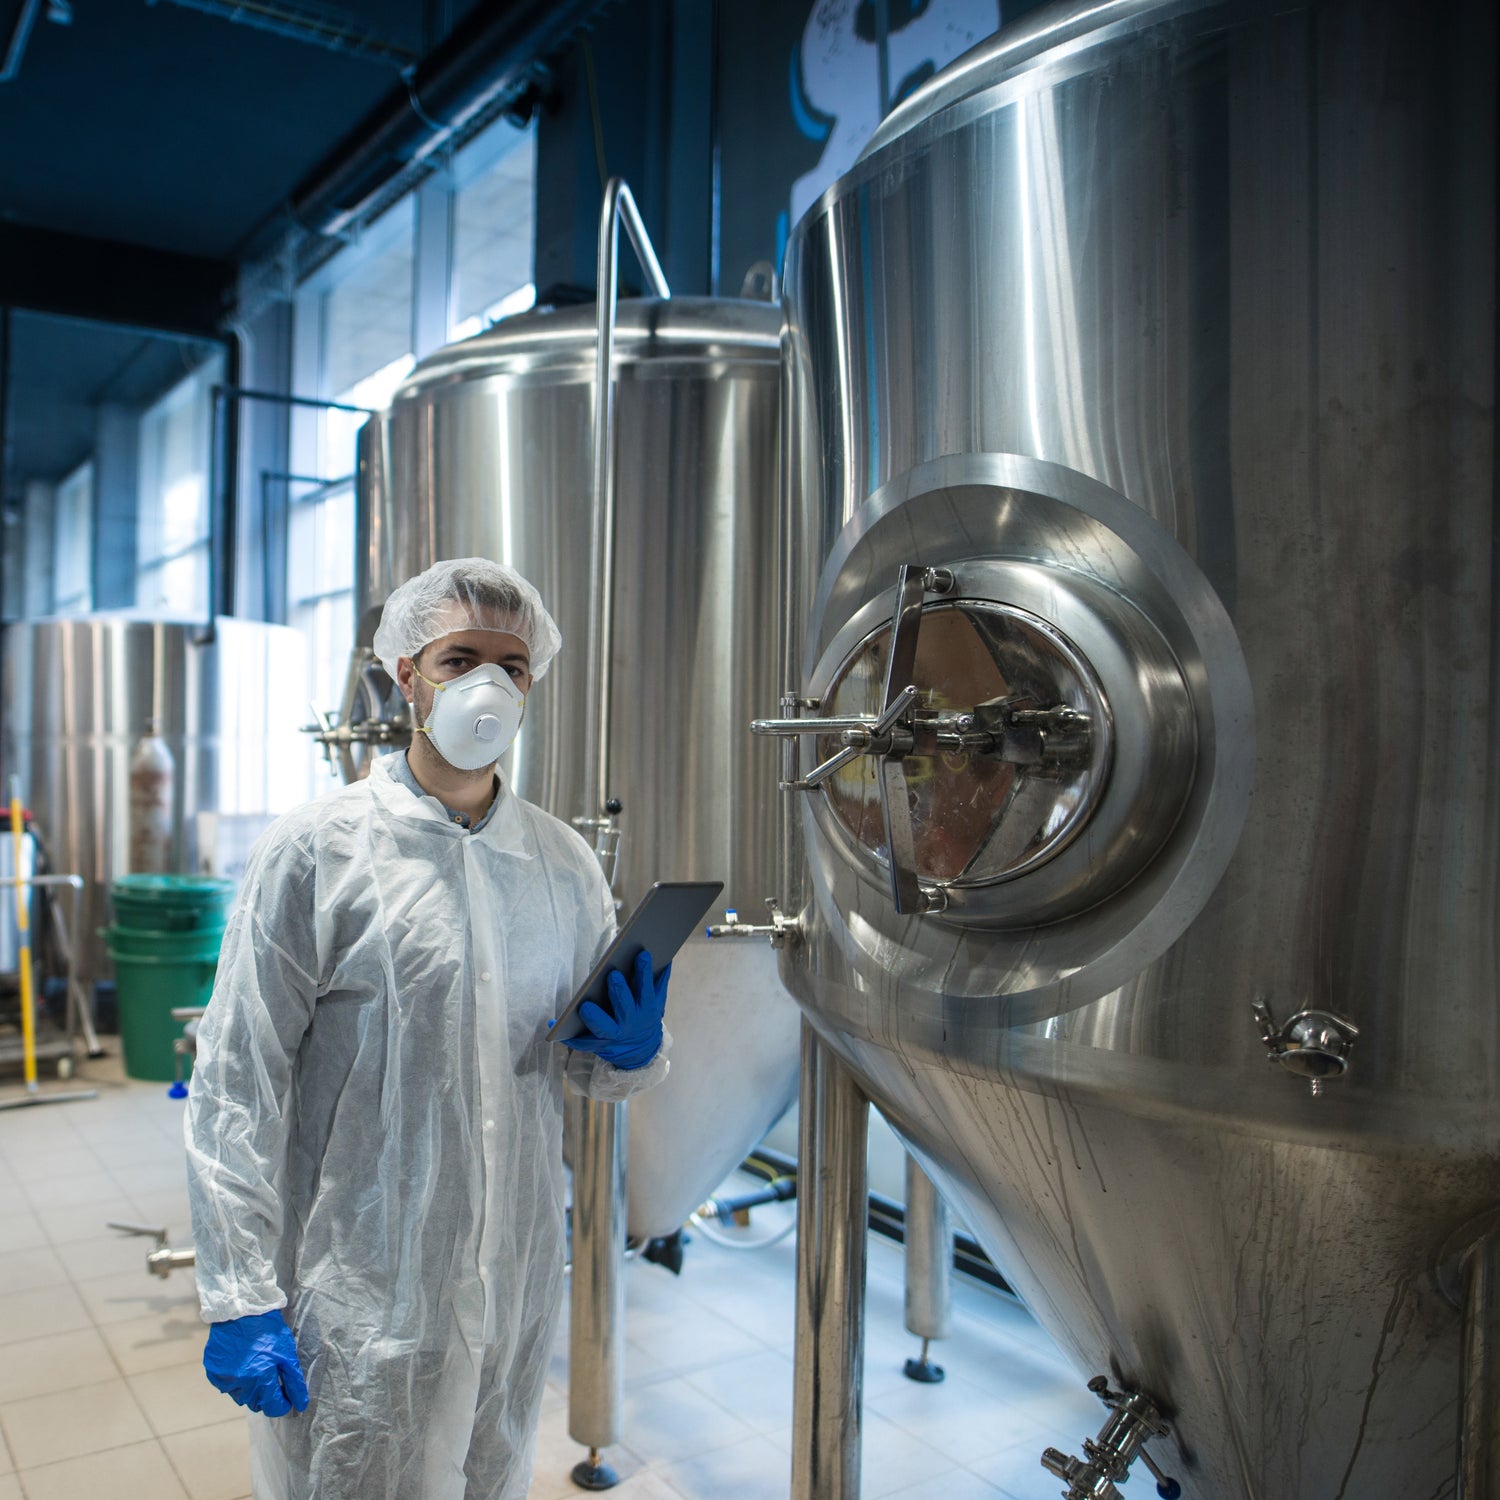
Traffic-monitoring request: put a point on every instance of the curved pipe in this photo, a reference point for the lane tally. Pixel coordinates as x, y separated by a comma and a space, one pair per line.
619, 206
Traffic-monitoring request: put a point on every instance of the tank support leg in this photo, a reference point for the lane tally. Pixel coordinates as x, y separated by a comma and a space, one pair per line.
929, 1264
831, 1209
596, 1332
1479, 1432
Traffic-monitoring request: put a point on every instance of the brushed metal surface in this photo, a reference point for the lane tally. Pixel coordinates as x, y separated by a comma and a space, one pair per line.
596, 1329
487, 450
833, 1127
78, 693
929, 1257
1234, 265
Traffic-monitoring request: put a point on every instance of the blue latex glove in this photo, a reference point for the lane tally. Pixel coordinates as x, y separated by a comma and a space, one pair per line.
631, 1037
254, 1359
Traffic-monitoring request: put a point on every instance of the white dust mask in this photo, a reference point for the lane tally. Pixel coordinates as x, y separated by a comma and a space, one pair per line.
475, 717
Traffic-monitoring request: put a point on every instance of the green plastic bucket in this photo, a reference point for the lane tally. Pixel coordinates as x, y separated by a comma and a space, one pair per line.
154, 974
170, 903
134, 942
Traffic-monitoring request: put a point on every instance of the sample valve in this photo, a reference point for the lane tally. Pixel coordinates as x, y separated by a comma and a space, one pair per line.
163, 1260
1133, 1421
781, 929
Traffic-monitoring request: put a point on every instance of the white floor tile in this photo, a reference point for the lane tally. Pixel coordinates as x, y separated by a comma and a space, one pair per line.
10, 1488
752, 1469
671, 1420
959, 1418
47, 1429
134, 1294
20, 1230
66, 1223
139, 1472
5, 1462
180, 1397
111, 1253
213, 1462
58, 1362
43, 1162
956, 1484
892, 1459
24, 1270
685, 1343
69, 1189
156, 1341
756, 1388
33, 1315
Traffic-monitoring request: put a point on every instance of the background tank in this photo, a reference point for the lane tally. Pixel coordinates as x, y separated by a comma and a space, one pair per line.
1168, 330
78, 693
487, 450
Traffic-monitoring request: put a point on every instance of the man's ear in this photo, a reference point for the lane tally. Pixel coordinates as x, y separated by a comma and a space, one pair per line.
405, 669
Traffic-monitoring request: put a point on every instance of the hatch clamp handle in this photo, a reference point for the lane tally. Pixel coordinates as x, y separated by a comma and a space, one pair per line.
889, 735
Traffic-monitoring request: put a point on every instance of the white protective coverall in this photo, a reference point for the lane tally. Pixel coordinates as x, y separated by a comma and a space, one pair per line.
374, 1133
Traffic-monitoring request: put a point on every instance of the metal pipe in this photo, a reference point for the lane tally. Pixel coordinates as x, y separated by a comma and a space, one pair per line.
618, 204
826, 1416
596, 1333
489, 57
1479, 1429
929, 1257
20, 34
299, 24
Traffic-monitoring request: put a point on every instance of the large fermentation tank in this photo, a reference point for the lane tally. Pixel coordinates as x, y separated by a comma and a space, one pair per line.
80, 691
487, 450
1158, 341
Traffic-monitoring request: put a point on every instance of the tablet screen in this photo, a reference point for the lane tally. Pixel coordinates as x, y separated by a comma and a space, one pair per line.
660, 925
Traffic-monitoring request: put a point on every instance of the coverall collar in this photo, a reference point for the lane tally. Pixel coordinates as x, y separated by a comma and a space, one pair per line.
505, 832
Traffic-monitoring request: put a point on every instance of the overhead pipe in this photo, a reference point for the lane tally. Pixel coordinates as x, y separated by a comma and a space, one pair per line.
20, 34
488, 57
299, 24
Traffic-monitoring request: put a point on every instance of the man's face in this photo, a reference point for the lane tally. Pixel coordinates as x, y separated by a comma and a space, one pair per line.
452, 655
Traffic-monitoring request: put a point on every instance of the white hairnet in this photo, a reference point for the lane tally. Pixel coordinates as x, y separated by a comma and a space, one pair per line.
466, 593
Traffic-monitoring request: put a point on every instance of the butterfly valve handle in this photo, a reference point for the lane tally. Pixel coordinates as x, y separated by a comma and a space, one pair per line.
1133, 1421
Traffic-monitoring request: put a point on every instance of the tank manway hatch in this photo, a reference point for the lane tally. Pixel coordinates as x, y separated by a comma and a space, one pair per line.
1024, 713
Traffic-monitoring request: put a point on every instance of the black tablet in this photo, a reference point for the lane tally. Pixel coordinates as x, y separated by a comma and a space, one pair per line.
660, 925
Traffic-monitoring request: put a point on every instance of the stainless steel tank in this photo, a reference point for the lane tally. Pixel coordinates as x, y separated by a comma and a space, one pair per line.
487, 449
79, 692
1143, 376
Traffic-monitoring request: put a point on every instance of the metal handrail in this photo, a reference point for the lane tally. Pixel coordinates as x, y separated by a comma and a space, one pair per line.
618, 205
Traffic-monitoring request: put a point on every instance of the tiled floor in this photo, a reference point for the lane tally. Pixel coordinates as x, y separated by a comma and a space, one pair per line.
101, 1394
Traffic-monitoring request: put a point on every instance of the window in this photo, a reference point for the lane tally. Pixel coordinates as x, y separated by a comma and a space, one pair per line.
493, 224
355, 333
73, 543
354, 336
172, 529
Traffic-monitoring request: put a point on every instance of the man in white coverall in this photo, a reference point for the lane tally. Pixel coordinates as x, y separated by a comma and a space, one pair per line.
374, 1127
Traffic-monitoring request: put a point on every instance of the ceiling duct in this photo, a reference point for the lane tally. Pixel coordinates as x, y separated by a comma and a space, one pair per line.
487, 61
321, 26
